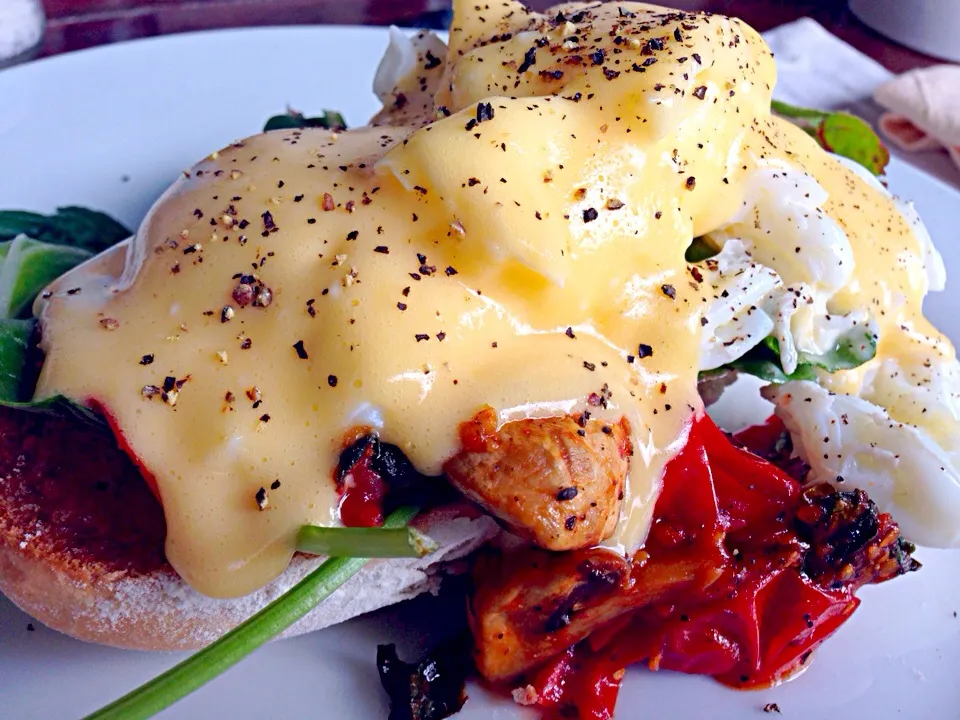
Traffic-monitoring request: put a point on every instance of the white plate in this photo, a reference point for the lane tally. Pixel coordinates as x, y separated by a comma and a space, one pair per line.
110, 128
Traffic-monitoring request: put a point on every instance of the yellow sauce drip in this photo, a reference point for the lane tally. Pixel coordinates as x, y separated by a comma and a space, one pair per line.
434, 268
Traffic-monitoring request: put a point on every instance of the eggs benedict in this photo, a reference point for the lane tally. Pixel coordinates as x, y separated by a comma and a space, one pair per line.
488, 288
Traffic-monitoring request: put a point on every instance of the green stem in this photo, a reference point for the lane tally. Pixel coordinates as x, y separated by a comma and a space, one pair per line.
364, 542
792, 111
185, 677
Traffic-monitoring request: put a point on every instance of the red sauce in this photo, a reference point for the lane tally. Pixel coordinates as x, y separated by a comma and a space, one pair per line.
362, 492
122, 443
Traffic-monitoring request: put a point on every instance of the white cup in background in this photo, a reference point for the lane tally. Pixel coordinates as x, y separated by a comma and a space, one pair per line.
21, 29
929, 26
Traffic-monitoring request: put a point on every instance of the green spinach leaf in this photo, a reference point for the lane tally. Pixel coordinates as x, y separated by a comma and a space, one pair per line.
28, 267
700, 250
15, 338
36, 249
330, 119
14, 347
74, 226
763, 361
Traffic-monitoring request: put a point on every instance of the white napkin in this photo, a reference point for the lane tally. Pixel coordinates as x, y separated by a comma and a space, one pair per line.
817, 69
923, 110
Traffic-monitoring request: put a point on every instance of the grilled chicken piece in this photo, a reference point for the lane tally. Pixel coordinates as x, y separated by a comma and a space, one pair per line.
531, 605
557, 482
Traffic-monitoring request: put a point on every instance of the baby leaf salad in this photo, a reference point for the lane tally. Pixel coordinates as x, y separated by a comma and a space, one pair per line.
850, 137
35, 249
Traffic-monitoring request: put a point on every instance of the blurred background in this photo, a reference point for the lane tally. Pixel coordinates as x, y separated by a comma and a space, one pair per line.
76, 24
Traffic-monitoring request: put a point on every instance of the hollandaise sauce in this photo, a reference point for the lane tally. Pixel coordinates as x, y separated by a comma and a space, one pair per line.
518, 244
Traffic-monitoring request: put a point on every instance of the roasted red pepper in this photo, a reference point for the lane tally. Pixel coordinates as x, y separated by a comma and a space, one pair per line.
754, 625
578, 678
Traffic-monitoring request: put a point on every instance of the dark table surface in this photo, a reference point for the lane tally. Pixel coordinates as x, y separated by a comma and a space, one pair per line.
76, 24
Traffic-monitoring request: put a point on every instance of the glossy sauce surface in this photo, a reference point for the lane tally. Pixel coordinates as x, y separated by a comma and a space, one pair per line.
520, 244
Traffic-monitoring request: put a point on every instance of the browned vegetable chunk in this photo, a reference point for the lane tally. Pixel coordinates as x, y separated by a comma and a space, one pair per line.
555, 481
532, 605
851, 543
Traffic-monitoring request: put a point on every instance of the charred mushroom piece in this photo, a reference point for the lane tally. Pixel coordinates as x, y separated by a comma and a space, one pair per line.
851, 543
712, 384
429, 690
557, 482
